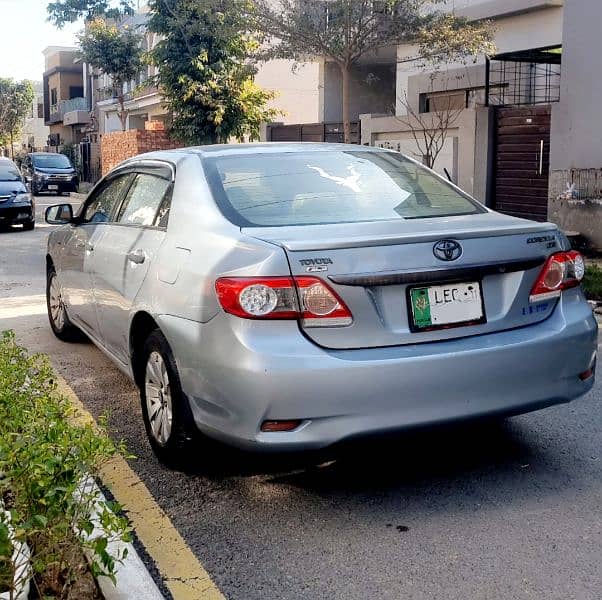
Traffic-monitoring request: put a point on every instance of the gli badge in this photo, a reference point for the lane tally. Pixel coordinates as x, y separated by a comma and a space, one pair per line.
447, 250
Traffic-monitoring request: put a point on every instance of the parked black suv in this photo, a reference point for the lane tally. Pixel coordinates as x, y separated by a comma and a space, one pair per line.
49, 172
16, 205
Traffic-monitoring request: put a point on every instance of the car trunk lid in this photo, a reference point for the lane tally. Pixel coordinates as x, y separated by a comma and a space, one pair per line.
374, 267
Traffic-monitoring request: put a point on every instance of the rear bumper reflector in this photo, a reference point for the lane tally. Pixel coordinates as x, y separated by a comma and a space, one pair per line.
586, 374
280, 425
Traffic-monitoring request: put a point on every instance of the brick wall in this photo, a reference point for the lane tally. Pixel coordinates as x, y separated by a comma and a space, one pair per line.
116, 147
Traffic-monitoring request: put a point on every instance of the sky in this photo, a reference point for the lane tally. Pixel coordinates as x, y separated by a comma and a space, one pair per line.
24, 33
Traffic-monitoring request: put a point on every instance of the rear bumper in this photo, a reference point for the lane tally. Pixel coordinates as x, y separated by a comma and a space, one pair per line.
16, 214
237, 376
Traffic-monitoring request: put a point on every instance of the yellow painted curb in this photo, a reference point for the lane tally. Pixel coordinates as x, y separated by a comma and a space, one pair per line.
181, 571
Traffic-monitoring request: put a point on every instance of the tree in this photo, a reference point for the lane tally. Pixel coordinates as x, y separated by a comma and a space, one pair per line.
343, 31
61, 12
205, 69
15, 102
430, 129
116, 52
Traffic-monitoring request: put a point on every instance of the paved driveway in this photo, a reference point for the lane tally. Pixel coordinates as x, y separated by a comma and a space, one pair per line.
497, 511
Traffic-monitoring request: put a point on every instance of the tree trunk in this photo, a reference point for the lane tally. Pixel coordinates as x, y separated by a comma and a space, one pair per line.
12, 147
346, 123
123, 115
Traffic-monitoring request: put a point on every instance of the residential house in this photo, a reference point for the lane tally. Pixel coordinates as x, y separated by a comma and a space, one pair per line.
34, 134
575, 191
297, 89
524, 137
66, 110
516, 88
143, 101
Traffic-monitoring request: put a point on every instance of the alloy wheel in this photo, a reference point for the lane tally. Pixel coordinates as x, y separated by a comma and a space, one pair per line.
158, 398
55, 302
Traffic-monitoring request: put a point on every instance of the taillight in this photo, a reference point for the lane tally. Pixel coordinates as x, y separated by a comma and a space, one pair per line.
563, 270
306, 298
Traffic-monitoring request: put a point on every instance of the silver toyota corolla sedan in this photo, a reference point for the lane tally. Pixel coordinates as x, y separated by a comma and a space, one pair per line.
289, 296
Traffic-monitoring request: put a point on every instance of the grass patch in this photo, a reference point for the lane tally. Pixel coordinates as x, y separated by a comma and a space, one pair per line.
592, 283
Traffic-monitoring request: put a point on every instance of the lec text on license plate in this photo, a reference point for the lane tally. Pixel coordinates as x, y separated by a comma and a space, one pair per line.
446, 304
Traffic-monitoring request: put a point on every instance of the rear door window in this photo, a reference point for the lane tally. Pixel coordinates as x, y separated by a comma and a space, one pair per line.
147, 202
322, 187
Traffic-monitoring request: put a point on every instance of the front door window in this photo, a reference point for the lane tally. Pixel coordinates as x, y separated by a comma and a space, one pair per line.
101, 207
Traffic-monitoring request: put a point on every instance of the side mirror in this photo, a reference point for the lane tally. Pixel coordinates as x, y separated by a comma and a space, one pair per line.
59, 214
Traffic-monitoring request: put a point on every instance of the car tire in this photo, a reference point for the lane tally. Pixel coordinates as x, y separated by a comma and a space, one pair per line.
29, 226
165, 409
60, 324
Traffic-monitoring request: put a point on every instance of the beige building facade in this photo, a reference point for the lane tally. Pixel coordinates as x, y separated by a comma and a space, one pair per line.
297, 88
575, 191
66, 110
519, 25
34, 134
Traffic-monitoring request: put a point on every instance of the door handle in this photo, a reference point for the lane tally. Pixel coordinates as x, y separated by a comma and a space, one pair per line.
540, 170
137, 257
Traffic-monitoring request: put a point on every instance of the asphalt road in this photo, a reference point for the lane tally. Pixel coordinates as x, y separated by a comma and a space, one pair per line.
488, 511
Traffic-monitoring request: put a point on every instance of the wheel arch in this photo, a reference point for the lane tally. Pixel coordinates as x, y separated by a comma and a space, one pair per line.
142, 325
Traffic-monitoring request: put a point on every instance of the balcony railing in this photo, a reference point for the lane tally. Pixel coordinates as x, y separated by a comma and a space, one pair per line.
58, 111
111, 93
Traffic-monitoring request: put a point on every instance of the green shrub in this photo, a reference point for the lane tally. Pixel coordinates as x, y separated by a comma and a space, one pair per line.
6, 551
592, 282
46, 458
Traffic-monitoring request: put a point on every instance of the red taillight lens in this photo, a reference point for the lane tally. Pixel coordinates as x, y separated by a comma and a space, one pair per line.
563, 270
306, 298
320, 305
258, 297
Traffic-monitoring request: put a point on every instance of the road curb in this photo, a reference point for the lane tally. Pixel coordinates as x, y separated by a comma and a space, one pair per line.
180, 570
134, 579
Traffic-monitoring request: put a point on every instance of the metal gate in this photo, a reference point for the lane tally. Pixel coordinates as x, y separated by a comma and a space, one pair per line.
522, 163
312, 132
89, 161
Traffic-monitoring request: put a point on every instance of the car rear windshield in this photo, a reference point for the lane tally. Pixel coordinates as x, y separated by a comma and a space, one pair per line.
323, 187
51, 161
8, 172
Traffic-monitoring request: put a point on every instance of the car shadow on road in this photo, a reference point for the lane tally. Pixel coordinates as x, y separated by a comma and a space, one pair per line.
404, 458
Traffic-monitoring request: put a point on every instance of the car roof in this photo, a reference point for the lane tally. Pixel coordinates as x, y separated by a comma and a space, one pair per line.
255, 148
